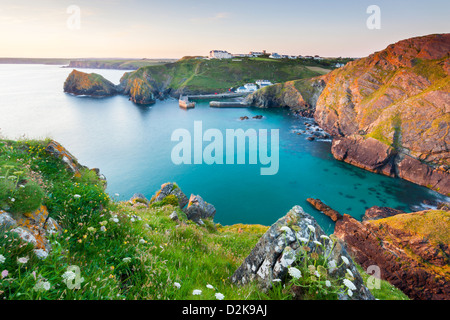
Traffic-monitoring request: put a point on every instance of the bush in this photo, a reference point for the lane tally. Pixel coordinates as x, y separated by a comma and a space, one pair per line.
27, 198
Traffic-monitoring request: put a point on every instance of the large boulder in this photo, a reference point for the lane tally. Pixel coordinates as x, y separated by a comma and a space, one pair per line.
199, 209
167, 189
91, 84
287, 240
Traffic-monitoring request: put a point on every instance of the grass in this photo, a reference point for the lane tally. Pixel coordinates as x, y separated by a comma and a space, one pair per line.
115, 250
210, 76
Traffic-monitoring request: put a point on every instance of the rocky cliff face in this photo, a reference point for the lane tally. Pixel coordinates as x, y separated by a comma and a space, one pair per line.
91, 84
390, 111
411, 250
299, 95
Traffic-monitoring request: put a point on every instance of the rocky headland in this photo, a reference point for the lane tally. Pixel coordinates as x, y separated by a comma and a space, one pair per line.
89, 84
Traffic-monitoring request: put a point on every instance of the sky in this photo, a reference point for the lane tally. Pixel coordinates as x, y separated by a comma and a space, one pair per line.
175, 28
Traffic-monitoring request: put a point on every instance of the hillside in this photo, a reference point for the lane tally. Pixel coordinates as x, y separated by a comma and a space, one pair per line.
63, 237
200, 76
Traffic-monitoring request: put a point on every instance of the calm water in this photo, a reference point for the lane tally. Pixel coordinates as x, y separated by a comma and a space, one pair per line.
131, 145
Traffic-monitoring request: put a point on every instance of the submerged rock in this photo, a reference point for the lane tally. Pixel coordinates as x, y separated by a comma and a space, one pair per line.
328, 211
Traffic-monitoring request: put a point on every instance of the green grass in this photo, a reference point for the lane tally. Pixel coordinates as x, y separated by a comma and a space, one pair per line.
119, 250
210, 76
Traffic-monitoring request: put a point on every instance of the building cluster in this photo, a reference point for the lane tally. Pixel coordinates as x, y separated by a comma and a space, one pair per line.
251, 87
222, 54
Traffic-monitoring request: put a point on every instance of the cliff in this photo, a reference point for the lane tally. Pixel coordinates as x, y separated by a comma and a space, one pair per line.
390, 112
299, 95
92, 84
411, 250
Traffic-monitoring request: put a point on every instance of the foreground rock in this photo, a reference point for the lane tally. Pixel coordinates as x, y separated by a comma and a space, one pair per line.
199, 209
33, 227
411, 250
90, 84
170, 189
390, 111
375, 213
277, 250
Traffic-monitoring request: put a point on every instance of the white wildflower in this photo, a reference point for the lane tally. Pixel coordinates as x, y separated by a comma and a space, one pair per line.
103, 229
350, 293
42, 286
176, 284
317, 242
126, 260
142, 241
349, 284
304, 240
332, 265
76, 196
350, 273
2, 258
23, 260
219, 296
197, 292
345, 260
209, 286
285, 229
12, 199
317, 274
276, 280
328, 283
325, 237
295, 273
114, 219
68, 276
310, 227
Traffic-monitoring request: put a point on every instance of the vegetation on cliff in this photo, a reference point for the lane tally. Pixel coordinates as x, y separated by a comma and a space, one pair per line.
193, 75
104, 249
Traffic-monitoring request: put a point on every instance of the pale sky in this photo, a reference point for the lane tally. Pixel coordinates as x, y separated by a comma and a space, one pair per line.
175, 28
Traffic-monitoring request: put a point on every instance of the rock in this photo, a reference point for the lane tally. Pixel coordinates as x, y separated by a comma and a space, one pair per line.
298, 95
310, 138
174, 216
322, 207
170, 189
91, 84
411, 250
369, 154
277, 249
7, 222
138, 198
375, 213
25, 235
393, 96
58, 151
243, 118
198, 209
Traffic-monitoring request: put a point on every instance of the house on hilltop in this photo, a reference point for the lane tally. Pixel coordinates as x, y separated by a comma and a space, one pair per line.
219, 54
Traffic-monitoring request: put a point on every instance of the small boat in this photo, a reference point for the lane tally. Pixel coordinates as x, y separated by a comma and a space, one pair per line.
185, 103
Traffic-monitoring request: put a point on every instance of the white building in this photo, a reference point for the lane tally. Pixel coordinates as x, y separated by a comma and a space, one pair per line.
257, 54
219, 54
263, 83
248, 87
275, 55
338, 65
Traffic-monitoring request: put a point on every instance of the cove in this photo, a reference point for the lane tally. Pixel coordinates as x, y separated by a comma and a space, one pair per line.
132, 147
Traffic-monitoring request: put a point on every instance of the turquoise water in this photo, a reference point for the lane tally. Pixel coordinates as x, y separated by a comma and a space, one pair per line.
132, 147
